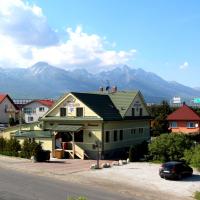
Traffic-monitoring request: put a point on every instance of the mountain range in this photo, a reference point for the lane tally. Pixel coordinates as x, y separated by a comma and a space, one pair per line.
45, 81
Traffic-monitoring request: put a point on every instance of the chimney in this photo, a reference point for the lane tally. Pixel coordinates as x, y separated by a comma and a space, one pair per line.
114, 89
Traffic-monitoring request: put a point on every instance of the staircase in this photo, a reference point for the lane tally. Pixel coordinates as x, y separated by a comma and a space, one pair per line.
78, 151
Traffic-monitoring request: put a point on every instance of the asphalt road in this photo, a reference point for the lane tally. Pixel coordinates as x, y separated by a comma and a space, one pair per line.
15, 185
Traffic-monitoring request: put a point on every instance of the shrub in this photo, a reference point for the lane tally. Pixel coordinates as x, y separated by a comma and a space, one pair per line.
197, 195
192, 156
10, 147
2, 144
30, 148
138, 151
169, 147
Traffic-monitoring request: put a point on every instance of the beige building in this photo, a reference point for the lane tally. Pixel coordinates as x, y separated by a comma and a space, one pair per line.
83, 124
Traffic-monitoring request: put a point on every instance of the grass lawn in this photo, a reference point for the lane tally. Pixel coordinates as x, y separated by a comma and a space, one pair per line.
197, 195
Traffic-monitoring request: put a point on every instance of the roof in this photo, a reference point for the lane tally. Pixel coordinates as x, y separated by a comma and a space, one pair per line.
33, 134
101, 104
108, 106
184, 113
3, 96
45, 102
72, 128
122, 100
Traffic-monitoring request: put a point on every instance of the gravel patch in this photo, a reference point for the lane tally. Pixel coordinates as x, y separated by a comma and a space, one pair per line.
145, 175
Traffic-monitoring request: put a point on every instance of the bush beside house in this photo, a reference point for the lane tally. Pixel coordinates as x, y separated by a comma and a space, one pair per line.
28, 149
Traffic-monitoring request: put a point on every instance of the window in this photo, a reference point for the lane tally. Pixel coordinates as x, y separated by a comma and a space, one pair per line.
6, 108
107, 136
121, 134
27, 110
115, 135
133, 111
141, 130
30, 118
41, 109
140, 111
133, 131
190, 125
79, 112
173, 124
63, 112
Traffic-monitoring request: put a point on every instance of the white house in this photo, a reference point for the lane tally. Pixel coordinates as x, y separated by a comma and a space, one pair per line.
35, 109
7, 109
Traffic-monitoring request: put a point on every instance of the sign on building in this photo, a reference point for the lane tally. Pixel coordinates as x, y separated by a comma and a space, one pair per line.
196, 100
176, 100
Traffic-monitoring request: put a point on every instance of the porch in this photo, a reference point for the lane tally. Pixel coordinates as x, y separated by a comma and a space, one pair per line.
65, 142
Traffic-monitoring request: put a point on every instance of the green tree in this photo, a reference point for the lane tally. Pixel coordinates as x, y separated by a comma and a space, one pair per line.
168, 147
159, 114
192, 156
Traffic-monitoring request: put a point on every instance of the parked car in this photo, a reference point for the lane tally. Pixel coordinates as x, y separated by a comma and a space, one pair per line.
175, 170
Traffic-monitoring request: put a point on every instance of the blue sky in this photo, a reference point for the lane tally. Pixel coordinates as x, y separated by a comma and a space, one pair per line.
159, 36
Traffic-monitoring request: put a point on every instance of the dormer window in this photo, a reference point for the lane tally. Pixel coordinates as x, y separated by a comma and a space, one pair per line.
63, 112
79, 112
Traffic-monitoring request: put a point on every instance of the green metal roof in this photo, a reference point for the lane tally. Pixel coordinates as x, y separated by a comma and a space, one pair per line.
72, 128
122, 100
33, 134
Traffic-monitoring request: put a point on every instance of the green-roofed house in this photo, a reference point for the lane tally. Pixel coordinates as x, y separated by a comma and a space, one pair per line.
79, 122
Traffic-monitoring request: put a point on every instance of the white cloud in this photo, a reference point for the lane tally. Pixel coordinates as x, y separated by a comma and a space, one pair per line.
25, 24
185, 65
26, 38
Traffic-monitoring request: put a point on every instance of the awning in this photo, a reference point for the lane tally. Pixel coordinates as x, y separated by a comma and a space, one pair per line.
33, 134
70, 128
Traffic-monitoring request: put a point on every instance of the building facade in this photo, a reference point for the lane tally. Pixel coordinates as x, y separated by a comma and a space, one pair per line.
184, 120
88, 125
7, 109
35, 109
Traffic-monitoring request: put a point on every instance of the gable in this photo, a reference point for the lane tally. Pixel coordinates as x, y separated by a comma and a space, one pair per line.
70, 102
137, 104
122, 100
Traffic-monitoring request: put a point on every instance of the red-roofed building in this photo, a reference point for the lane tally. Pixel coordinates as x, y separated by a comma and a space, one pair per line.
184, 120
36, 109
7, 109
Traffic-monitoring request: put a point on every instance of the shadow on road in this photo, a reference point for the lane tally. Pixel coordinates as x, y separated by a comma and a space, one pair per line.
193, 178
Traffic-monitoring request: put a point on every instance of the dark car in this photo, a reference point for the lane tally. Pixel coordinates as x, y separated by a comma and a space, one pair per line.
175, 170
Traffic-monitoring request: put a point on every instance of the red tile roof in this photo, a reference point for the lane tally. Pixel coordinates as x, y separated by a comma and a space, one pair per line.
2, 97
46, 102
183, 113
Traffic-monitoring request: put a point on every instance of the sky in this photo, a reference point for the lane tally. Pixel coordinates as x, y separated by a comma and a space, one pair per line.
159, 36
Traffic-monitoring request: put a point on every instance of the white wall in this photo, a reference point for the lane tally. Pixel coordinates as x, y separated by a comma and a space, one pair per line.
36, 113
